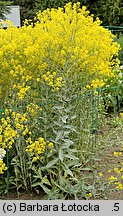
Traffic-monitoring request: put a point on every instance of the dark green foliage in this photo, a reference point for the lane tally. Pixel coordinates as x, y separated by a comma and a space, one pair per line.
27, 9
4, 9
110, 12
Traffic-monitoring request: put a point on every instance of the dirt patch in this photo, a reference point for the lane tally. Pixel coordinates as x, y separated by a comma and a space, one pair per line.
107, 162
22, 196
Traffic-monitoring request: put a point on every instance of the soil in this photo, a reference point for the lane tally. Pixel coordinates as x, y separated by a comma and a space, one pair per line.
23, 196
108, 161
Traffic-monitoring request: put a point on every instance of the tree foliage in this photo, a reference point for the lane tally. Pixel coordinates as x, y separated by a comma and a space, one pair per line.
27, 9
4, 9
110, 12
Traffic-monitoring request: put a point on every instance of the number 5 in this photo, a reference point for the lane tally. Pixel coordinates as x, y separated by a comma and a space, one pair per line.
116, 207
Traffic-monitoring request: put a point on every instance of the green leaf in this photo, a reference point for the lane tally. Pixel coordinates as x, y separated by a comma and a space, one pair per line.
68, 141
64, 118
58, 123
37, 177
59, 135
65, 145
61, 154
74, 163
46, 190
55, 131
73, 150
45, 181
52, 163
59, 107
86, 169
66, 133
61, 188
36, 184
67, 110
73, 117
113, 100
66, 169
71, 157
72, 128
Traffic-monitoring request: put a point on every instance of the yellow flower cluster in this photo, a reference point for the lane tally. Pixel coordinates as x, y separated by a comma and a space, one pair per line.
7, 133
33, 109
51, 80
19, 123
38, 147
117, 154
22, 92
12, 125
50, 146
15, 125
111, 179
66, 40
118, 171
119, 186
116, 182
89, 195
2, 164
21, 83
117, 179
96, 83
2, 167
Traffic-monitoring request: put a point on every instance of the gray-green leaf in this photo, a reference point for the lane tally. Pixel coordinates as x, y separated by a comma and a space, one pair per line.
52, 163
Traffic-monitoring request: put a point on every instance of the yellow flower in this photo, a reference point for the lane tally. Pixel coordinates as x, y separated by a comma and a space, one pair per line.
116, 154
95, 93
50, 145
89, 195
112, 178
119, 186
87, 86
62, 36
100, 174
35, 158
121, 114
117, 170
2, 167
14, 86
36, 148
25, 131
38, 79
